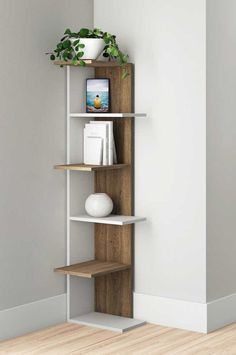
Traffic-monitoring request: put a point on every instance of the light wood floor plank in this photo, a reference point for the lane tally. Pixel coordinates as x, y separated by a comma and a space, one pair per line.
208, 342
122, 342
150, 339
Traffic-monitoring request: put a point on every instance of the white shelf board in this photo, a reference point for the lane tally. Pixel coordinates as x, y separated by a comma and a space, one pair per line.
112, 219
116, 115
107, 321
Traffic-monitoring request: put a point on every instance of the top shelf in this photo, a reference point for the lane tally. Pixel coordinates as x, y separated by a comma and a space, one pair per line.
115, 115
89, 63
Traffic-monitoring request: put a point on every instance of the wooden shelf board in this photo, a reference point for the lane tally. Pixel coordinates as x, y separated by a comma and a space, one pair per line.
92, 268
112, 219
89, 63
86, 167
107, 321
109, 114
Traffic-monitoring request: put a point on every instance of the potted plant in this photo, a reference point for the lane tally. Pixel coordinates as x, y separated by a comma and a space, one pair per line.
88, 44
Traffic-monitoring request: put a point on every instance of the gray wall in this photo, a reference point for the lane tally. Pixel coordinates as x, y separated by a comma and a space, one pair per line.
221, 148
166, 41
32, 140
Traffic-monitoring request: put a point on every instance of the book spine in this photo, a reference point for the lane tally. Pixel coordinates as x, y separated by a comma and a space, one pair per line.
105, 148
110, 143
114, 155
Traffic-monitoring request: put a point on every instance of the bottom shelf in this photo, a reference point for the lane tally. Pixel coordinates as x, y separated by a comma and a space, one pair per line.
107, 321
92, 268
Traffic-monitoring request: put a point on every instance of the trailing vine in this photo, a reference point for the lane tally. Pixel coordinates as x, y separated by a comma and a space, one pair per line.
70, 47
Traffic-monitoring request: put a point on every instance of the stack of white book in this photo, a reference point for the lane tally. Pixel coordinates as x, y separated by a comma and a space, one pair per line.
99, 146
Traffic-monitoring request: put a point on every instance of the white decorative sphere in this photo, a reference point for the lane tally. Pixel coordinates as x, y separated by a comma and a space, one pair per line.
99, 205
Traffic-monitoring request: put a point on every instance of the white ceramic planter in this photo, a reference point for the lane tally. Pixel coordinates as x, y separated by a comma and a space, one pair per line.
93, 47
99, 205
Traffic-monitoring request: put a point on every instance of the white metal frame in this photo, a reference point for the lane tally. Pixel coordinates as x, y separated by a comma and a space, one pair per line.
68, 190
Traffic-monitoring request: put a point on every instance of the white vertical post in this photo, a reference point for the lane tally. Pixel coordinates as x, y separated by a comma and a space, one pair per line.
68, 189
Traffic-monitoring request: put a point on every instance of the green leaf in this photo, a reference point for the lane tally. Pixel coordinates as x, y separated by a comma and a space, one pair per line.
79, 55
106, 40
52, 57
83, 33
114, 52
60, 46
81, 45
74, 35
97, 33
65, 55
74, 60
66, 44
82, 63
67, 31
63, 38
124, 73
109, 50
76, 42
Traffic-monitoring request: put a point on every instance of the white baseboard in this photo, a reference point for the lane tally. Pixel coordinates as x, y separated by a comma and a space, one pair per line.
221, 312
171, 312
32, 316
197, 317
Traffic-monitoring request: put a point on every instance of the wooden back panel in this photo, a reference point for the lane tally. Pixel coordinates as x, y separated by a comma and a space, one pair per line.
113, 293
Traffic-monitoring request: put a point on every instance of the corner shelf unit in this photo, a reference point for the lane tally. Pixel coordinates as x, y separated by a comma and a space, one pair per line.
112, 267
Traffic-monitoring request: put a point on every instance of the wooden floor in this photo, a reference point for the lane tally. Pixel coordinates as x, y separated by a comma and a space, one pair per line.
148, 339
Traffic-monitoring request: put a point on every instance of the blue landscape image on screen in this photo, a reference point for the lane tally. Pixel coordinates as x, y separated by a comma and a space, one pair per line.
97, 95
